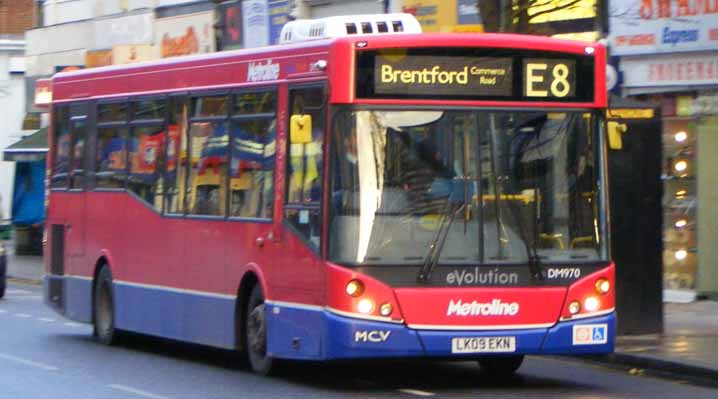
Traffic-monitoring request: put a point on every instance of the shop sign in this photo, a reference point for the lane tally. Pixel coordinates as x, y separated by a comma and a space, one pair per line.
43, 92
445, 15
702, 105
129, 53
278, 11
663, 26
668, 70
256, 23
68, 68
706, 104
684, 106
98, 58
231, 14
184, 35
128, 29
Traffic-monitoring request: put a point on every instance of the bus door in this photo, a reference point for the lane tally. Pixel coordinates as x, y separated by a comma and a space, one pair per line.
301, 271
76, 218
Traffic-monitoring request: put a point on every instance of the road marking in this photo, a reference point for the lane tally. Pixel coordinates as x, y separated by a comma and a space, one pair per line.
46, 319
17, 291
28, 297
71, 324
136, 391
28, 362
3, 311
22, 315
416, 392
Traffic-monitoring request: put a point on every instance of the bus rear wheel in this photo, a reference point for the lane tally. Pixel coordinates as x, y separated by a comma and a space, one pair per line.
256, 334
104, 309
504, 366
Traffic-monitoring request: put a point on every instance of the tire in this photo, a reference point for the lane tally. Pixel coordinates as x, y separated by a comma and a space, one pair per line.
103, 311
255, 327
504, 366
2, 289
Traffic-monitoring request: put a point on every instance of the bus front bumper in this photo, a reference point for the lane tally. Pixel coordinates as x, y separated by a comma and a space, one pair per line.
350, 338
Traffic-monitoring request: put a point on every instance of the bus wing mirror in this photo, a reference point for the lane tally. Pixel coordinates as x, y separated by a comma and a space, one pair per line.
615, 130
300, 129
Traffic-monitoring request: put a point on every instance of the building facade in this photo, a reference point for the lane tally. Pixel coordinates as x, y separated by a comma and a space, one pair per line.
16, 17
668, 53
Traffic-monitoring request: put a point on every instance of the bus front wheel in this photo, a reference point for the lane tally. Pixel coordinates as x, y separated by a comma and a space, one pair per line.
256, 330
503, 366
104, 309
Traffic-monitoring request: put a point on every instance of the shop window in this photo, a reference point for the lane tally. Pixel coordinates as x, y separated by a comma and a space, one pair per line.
145, 156
208, 171
61, 148
305, 164
176, 155
111, 160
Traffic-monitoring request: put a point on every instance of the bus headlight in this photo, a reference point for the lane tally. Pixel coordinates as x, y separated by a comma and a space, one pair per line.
574, 307
355, 288
603, 286
591, 304
386, 309
365, 306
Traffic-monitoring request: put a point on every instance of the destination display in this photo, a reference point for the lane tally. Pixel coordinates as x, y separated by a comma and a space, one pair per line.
475, 74
445, 76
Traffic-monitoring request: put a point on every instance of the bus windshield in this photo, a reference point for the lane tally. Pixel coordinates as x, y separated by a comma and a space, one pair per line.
481, 187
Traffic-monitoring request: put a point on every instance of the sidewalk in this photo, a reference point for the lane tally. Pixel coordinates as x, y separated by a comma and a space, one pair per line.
28, 268
688, 346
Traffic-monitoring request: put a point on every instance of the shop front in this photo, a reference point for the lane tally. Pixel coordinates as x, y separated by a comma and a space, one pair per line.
669, 57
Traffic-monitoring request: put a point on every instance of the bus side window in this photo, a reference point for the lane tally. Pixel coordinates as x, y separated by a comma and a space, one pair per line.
60, 148
305, 166
111, 145
78, 149
253, 144
145, 152
208, 143
111, 165
176, 156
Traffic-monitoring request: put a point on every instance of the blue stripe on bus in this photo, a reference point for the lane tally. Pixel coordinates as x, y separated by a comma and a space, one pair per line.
294, 333
78, 299
184, 316
298, 332
559, 339
438, 343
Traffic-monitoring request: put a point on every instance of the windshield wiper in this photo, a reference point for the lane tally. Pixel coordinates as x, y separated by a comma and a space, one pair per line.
454, 205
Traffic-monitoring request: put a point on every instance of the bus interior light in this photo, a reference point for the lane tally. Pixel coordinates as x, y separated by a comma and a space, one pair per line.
681, 223
365, 306
591, 304
355, 288
603, 286
385, 309
574, 307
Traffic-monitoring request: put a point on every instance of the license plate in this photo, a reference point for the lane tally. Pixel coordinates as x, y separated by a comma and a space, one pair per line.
483, 345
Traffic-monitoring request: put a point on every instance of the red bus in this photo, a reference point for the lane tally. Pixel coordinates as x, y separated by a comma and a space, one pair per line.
369, 195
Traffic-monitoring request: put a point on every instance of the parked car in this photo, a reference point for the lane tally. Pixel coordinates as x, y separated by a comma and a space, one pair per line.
3, 269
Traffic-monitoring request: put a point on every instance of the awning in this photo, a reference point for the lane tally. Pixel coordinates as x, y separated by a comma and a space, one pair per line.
29, 148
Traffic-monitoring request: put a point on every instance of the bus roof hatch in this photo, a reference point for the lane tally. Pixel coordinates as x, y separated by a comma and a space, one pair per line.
371, 24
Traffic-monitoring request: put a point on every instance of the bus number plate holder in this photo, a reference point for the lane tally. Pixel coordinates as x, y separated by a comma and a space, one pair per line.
483, 345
